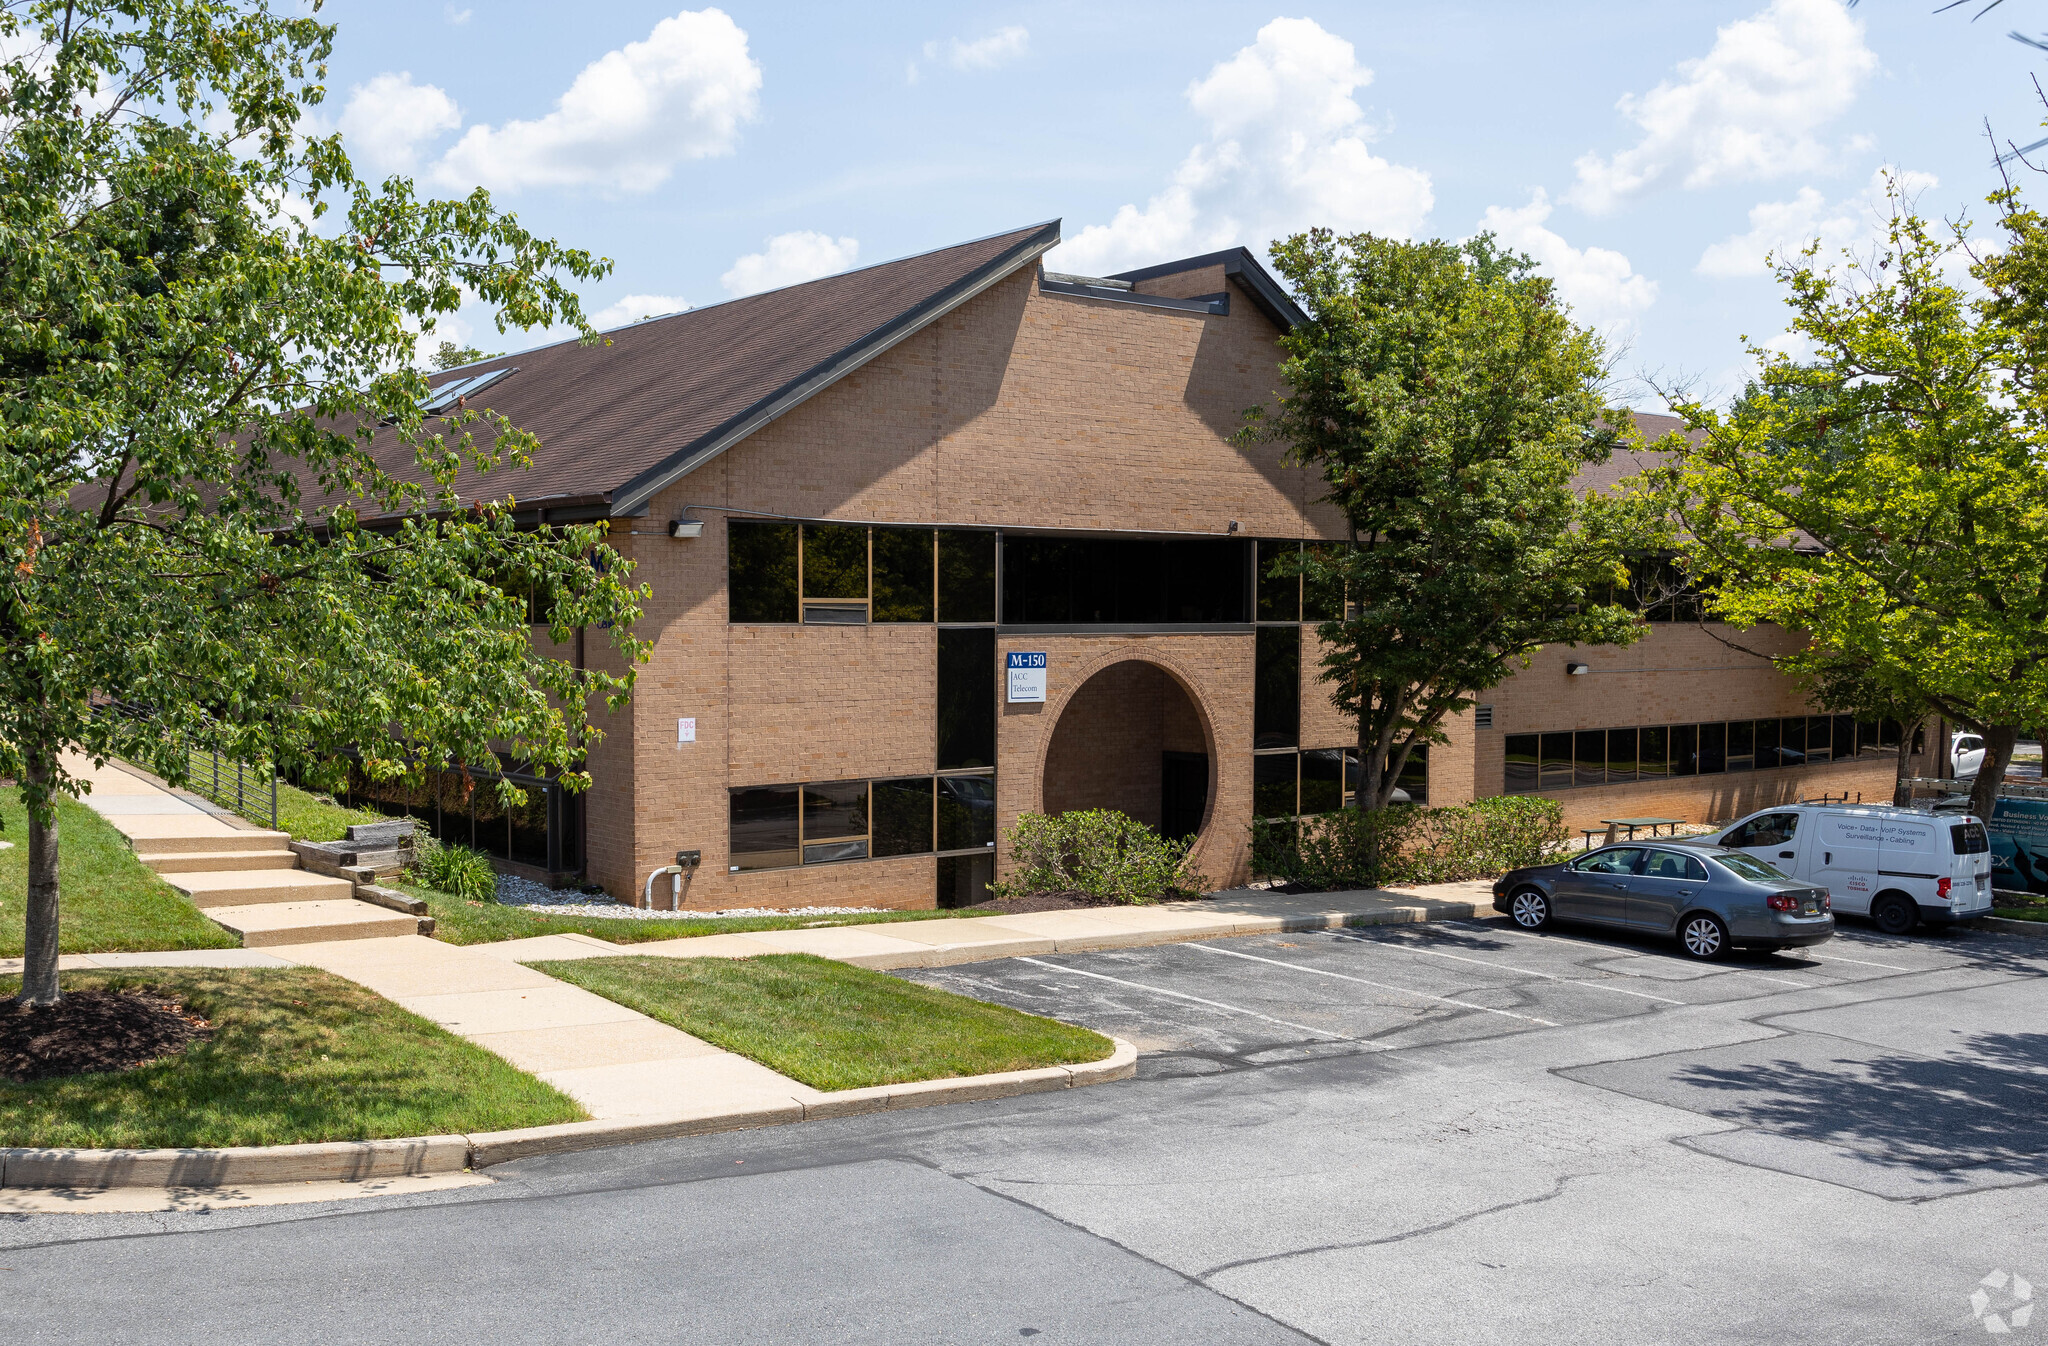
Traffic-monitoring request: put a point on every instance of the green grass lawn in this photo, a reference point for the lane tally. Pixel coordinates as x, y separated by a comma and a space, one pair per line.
107, 899
460, 921
310, 817
296, 1055
831, 1025
2014, 907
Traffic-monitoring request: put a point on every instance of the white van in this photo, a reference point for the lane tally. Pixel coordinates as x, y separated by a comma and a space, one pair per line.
1897, 866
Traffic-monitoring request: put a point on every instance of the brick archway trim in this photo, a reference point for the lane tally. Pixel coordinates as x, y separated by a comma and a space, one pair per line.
1131, 654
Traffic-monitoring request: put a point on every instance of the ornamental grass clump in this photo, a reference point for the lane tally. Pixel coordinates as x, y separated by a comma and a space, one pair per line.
454, 869
1100, 854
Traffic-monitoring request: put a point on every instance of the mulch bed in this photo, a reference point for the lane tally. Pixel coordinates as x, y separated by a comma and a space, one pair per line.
93, 1031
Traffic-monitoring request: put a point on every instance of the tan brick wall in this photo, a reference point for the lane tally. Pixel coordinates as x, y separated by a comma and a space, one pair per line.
1018, 409
1106, 746
1723, 798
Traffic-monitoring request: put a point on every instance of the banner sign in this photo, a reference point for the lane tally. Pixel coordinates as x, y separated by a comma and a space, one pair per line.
2019, 845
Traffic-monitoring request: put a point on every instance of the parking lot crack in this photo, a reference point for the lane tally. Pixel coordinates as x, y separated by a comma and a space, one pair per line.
1557, 1190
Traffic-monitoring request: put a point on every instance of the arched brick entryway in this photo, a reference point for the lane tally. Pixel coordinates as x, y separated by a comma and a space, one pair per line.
1131, 738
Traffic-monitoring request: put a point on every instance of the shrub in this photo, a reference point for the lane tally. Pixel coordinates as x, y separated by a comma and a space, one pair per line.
454, 869
1374, 848
1108, 856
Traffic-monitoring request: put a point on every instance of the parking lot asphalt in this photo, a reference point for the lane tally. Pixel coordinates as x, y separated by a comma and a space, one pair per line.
1443, 1133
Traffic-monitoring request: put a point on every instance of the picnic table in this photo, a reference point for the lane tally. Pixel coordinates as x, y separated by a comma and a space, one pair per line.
1651, 824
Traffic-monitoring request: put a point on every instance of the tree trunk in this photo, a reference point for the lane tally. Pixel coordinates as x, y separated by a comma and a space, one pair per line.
39, 956
1998, 744
1902, 793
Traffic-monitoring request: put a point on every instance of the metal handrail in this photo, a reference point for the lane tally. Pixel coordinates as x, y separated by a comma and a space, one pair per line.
205, 777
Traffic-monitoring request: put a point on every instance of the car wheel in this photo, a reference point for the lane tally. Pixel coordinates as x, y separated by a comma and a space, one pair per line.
1530, 909
1703, 936
1895, 914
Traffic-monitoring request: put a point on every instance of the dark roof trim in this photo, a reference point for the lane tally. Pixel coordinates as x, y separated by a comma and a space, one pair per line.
1241, 266
1216, 304
634, 494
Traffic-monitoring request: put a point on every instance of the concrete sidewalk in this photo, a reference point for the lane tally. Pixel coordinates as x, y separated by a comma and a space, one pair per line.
942, 943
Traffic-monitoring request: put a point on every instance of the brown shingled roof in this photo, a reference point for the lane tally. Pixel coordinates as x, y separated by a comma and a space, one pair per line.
617, 422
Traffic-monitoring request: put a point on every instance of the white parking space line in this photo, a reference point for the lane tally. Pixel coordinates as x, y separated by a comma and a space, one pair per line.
1629, 953
1506, 967
1182, 995
1399, 990
1863, 962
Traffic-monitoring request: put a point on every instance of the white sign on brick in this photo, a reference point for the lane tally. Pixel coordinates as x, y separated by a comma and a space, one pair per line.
686, 731
1027, 676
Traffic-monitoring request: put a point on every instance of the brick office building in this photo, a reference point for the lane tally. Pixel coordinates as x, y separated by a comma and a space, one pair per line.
855, 498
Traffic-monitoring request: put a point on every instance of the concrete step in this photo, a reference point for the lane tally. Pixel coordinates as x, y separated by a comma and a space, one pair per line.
268, 924
200, 841
199, 862
249, 887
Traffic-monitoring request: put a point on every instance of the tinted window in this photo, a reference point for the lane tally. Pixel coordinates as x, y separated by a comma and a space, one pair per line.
1557, 761
967, 697
835, 809
1321, 601
1749, 867
1685, 750
1653, 757
1279, 595
902, 823
1672, 865
1521, 776
1741, 745
1621, 755
761, 571
1276, 688
967, 812
835, 560
967, 576
1772, 829
764, 827
1124, 581
903, 575
1969, 838
1273, 786
1767, 744
1322, 780
1713, 749
1589, 754
1414, 775
1620, 860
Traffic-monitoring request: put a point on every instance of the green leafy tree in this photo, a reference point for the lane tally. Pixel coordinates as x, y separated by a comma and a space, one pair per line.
448, 355
1851, 686
1889, 493
206, 325
1449, 401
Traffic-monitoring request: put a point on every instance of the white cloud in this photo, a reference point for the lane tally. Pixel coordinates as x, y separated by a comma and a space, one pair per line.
1785, 227
454, 15
634, 307
629, 118
390, 118
984, 53
799, 255
1603, 289
1288, 148
1751, 108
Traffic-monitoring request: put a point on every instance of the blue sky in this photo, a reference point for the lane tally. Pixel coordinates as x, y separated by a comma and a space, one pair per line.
1646, 154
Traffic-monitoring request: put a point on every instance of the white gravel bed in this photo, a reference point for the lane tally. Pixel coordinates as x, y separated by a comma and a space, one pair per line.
514, 891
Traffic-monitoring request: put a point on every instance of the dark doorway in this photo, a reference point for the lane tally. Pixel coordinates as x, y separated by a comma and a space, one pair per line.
964, 879
1183, 793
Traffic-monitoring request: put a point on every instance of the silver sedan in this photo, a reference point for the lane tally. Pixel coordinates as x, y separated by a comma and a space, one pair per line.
1712, 898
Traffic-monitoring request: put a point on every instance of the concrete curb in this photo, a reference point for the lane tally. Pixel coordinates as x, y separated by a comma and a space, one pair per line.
2004, 926
355, 1160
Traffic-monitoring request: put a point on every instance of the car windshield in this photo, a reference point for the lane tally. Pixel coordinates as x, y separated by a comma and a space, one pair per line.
1749, 867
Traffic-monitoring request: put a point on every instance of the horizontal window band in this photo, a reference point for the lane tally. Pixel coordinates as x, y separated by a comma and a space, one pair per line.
1128, 629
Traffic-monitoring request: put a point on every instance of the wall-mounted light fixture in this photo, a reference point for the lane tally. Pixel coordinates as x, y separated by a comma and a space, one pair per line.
1234, 526
1576, 669
686, 528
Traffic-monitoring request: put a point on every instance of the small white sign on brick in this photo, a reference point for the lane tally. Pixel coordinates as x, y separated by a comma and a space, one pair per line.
1027, 675
686, 731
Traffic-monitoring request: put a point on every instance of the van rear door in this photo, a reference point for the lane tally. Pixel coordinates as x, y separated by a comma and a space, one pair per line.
1844, 858
1969, 867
